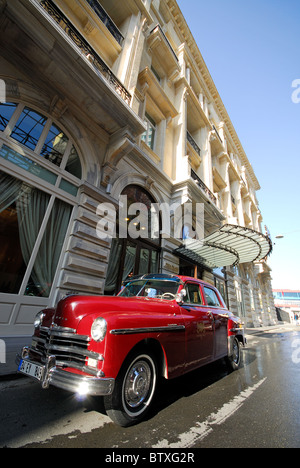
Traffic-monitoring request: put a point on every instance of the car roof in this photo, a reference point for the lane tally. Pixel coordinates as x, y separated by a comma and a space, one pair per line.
154, 276
194, 280
169, 277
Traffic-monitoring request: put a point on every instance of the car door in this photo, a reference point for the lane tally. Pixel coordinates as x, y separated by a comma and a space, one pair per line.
199, 328
220, 315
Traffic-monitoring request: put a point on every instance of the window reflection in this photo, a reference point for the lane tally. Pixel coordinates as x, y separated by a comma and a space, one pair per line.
29, 128
55, 145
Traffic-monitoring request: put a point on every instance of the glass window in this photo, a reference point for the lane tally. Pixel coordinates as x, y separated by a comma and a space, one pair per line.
154, 261
68, 187
31, 244
111, 283
211, 297
135, 194
150, 288
144, 261
193, 295
129, 263
54, 145
149, 136
22, 210
46, 261
6, 113
28, 131
221, 287
27, 164
29, 128
73, 165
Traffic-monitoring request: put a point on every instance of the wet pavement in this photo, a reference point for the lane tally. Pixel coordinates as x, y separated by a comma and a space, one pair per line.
257, 406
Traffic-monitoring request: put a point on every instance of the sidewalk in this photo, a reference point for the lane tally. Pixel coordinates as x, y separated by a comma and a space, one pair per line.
281, 326
13, 346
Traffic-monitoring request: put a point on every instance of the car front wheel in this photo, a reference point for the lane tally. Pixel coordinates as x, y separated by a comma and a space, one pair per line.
134, 390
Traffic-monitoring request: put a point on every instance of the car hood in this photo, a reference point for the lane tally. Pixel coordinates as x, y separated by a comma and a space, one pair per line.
79, 312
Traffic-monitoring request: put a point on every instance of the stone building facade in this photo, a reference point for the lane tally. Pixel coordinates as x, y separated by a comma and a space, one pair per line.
106, 98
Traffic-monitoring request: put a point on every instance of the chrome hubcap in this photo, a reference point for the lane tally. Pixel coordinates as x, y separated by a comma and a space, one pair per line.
137, 384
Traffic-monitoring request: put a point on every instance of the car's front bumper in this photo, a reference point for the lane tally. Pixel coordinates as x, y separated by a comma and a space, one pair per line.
50, 374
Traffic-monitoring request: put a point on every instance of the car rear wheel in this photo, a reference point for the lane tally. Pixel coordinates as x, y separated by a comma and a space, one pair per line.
234, 361
134, 390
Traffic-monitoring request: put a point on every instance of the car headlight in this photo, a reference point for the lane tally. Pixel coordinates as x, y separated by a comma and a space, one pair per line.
99, 328
38, 319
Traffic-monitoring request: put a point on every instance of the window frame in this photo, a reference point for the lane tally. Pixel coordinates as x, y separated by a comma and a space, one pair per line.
151, 124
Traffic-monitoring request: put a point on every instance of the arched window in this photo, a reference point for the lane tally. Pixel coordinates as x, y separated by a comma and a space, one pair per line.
40, 172
134, 256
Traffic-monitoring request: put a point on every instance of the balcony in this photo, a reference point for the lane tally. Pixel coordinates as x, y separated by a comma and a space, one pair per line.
163, 107
203, 187
216, 142
193, 151
85, 48
106, 20
194, 145
164, 60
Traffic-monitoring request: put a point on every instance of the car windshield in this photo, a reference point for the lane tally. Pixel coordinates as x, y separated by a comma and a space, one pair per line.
162, 289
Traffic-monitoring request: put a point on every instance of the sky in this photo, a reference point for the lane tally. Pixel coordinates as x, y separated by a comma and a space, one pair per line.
252, 51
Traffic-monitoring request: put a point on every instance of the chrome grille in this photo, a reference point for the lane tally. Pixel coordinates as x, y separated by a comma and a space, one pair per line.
69, 349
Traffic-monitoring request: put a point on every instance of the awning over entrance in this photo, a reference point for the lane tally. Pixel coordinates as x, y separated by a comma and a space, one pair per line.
228, 246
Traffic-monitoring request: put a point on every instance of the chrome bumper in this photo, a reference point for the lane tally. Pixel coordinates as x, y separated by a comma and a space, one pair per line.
75, 383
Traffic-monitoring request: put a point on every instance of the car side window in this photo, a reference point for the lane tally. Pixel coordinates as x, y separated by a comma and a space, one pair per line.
211, 297
193, 295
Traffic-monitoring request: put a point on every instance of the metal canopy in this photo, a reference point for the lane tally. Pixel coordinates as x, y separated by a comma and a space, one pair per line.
228, 246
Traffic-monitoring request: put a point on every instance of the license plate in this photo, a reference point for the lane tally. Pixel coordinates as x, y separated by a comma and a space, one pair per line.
32, 370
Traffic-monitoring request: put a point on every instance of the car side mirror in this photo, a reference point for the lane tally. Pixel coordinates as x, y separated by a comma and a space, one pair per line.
180, 296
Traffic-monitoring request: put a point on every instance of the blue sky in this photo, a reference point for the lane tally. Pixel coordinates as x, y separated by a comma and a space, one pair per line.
252, 50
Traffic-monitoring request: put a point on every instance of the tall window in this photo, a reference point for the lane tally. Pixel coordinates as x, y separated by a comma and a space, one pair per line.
149, 136
40, 172
130, 257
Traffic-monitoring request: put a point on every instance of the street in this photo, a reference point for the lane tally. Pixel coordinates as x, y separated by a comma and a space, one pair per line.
257, 406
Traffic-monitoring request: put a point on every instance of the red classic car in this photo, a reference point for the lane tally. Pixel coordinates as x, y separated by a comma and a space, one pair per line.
118, 347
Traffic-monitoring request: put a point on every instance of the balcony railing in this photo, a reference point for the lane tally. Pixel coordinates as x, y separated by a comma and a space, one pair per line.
106, 20
217, 133
203, 187
85, 48
194, 145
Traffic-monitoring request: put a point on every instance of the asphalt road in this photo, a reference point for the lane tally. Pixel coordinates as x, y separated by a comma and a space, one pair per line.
257, 406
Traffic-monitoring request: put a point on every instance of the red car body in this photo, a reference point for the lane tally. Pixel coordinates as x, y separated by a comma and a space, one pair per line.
119, 346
